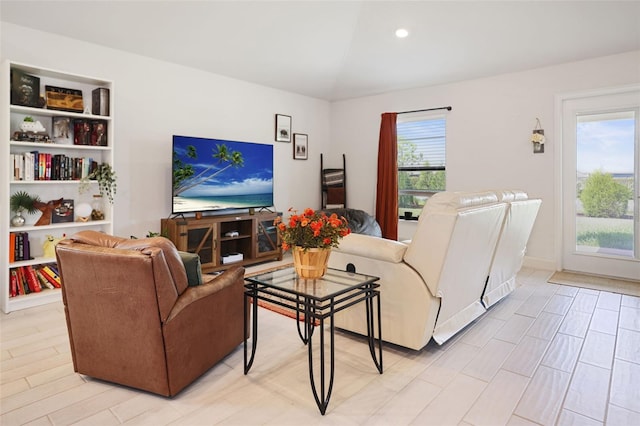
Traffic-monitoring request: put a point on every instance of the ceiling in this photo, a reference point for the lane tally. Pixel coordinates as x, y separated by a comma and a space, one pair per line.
337, 50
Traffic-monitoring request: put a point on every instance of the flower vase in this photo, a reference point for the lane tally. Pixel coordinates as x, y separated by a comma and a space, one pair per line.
312, 262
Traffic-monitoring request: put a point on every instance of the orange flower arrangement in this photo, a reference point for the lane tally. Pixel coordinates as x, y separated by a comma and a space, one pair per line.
311, 229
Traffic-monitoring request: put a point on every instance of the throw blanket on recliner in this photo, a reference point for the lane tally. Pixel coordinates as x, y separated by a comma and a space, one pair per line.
359, 221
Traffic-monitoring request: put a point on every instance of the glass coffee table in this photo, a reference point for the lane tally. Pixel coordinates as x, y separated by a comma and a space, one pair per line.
313, 301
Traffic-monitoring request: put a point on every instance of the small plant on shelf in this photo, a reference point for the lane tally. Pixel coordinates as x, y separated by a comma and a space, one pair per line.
106, 178
21, 201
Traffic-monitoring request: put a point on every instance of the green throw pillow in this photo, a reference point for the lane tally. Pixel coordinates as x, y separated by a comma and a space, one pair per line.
192, 266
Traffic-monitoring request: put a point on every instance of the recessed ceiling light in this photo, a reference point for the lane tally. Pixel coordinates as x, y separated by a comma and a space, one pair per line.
401, 33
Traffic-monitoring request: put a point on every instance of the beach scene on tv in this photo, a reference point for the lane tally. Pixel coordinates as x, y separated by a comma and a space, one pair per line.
216, 174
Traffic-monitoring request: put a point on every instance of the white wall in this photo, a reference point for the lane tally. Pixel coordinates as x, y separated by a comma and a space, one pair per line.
488, 129
155, 100
488, 134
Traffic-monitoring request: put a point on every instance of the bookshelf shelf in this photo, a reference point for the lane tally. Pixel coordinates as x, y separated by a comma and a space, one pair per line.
36, 299
11, 117
35, 261
46, 146
41, 112
55, 226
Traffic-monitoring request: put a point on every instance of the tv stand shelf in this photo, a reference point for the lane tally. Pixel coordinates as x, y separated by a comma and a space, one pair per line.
254, 236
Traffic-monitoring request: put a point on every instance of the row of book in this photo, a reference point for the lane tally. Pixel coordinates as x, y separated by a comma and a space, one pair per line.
36, 165
19, 248
33, 279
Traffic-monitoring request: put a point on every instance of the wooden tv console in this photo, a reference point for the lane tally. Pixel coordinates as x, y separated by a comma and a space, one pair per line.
220, 240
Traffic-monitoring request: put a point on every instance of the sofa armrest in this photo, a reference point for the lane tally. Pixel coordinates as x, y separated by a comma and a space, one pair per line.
373, 247
207, 288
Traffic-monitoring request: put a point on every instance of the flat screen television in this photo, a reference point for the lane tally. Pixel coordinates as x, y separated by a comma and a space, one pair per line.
216, 174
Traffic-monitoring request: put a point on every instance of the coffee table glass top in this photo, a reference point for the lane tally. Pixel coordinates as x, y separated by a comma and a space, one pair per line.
333, 283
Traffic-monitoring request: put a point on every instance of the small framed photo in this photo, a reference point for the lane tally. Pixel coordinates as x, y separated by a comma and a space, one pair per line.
63, 213
63, 130
283, 128
300, 146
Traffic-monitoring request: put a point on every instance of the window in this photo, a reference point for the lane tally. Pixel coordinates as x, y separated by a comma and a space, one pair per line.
421, 161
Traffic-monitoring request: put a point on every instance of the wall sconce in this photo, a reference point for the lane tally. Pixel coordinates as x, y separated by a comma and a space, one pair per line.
537, 138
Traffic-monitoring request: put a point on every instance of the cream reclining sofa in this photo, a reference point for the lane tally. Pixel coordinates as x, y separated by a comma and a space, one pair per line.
512, 245
433, 286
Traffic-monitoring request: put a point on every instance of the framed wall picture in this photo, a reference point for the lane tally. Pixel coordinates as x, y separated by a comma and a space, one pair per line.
300, 146
283, 128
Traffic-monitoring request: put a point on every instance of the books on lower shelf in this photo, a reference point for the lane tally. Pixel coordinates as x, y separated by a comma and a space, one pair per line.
29, 279
19, 248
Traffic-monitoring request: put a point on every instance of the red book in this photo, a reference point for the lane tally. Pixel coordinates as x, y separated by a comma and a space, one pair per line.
13, 289
32, 281
31, 273
23, 287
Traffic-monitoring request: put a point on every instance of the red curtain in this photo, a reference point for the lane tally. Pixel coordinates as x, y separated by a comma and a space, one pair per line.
387, 189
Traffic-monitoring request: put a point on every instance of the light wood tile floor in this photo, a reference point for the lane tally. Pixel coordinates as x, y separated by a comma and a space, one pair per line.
548, 354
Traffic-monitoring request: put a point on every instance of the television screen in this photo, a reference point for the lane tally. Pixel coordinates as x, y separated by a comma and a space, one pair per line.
216, 174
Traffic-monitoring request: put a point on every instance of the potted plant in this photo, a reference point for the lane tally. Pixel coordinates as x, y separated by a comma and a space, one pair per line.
106, 178
311, 235
20, 202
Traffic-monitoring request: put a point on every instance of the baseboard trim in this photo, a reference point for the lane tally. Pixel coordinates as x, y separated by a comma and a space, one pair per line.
539, 263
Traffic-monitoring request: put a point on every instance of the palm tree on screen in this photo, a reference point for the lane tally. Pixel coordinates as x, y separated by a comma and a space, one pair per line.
184, 174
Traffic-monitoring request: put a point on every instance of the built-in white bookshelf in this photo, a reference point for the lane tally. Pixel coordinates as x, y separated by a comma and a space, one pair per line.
12, 116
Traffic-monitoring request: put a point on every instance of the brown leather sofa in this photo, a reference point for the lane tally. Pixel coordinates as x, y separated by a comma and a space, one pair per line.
133, 320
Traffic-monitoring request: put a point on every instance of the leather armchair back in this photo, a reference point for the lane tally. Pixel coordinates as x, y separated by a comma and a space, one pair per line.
133, 320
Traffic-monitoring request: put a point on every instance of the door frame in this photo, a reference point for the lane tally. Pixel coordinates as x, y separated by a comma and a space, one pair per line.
560, 99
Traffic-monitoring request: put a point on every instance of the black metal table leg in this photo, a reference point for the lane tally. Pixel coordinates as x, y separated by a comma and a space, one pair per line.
377, 360
304, 336
254, 324
322, 398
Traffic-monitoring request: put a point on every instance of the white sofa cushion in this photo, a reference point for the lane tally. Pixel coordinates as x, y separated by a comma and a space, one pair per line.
408, 309
508, 195
373, 247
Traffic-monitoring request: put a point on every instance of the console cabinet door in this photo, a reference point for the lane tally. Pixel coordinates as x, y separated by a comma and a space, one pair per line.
267, 233
201, 239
